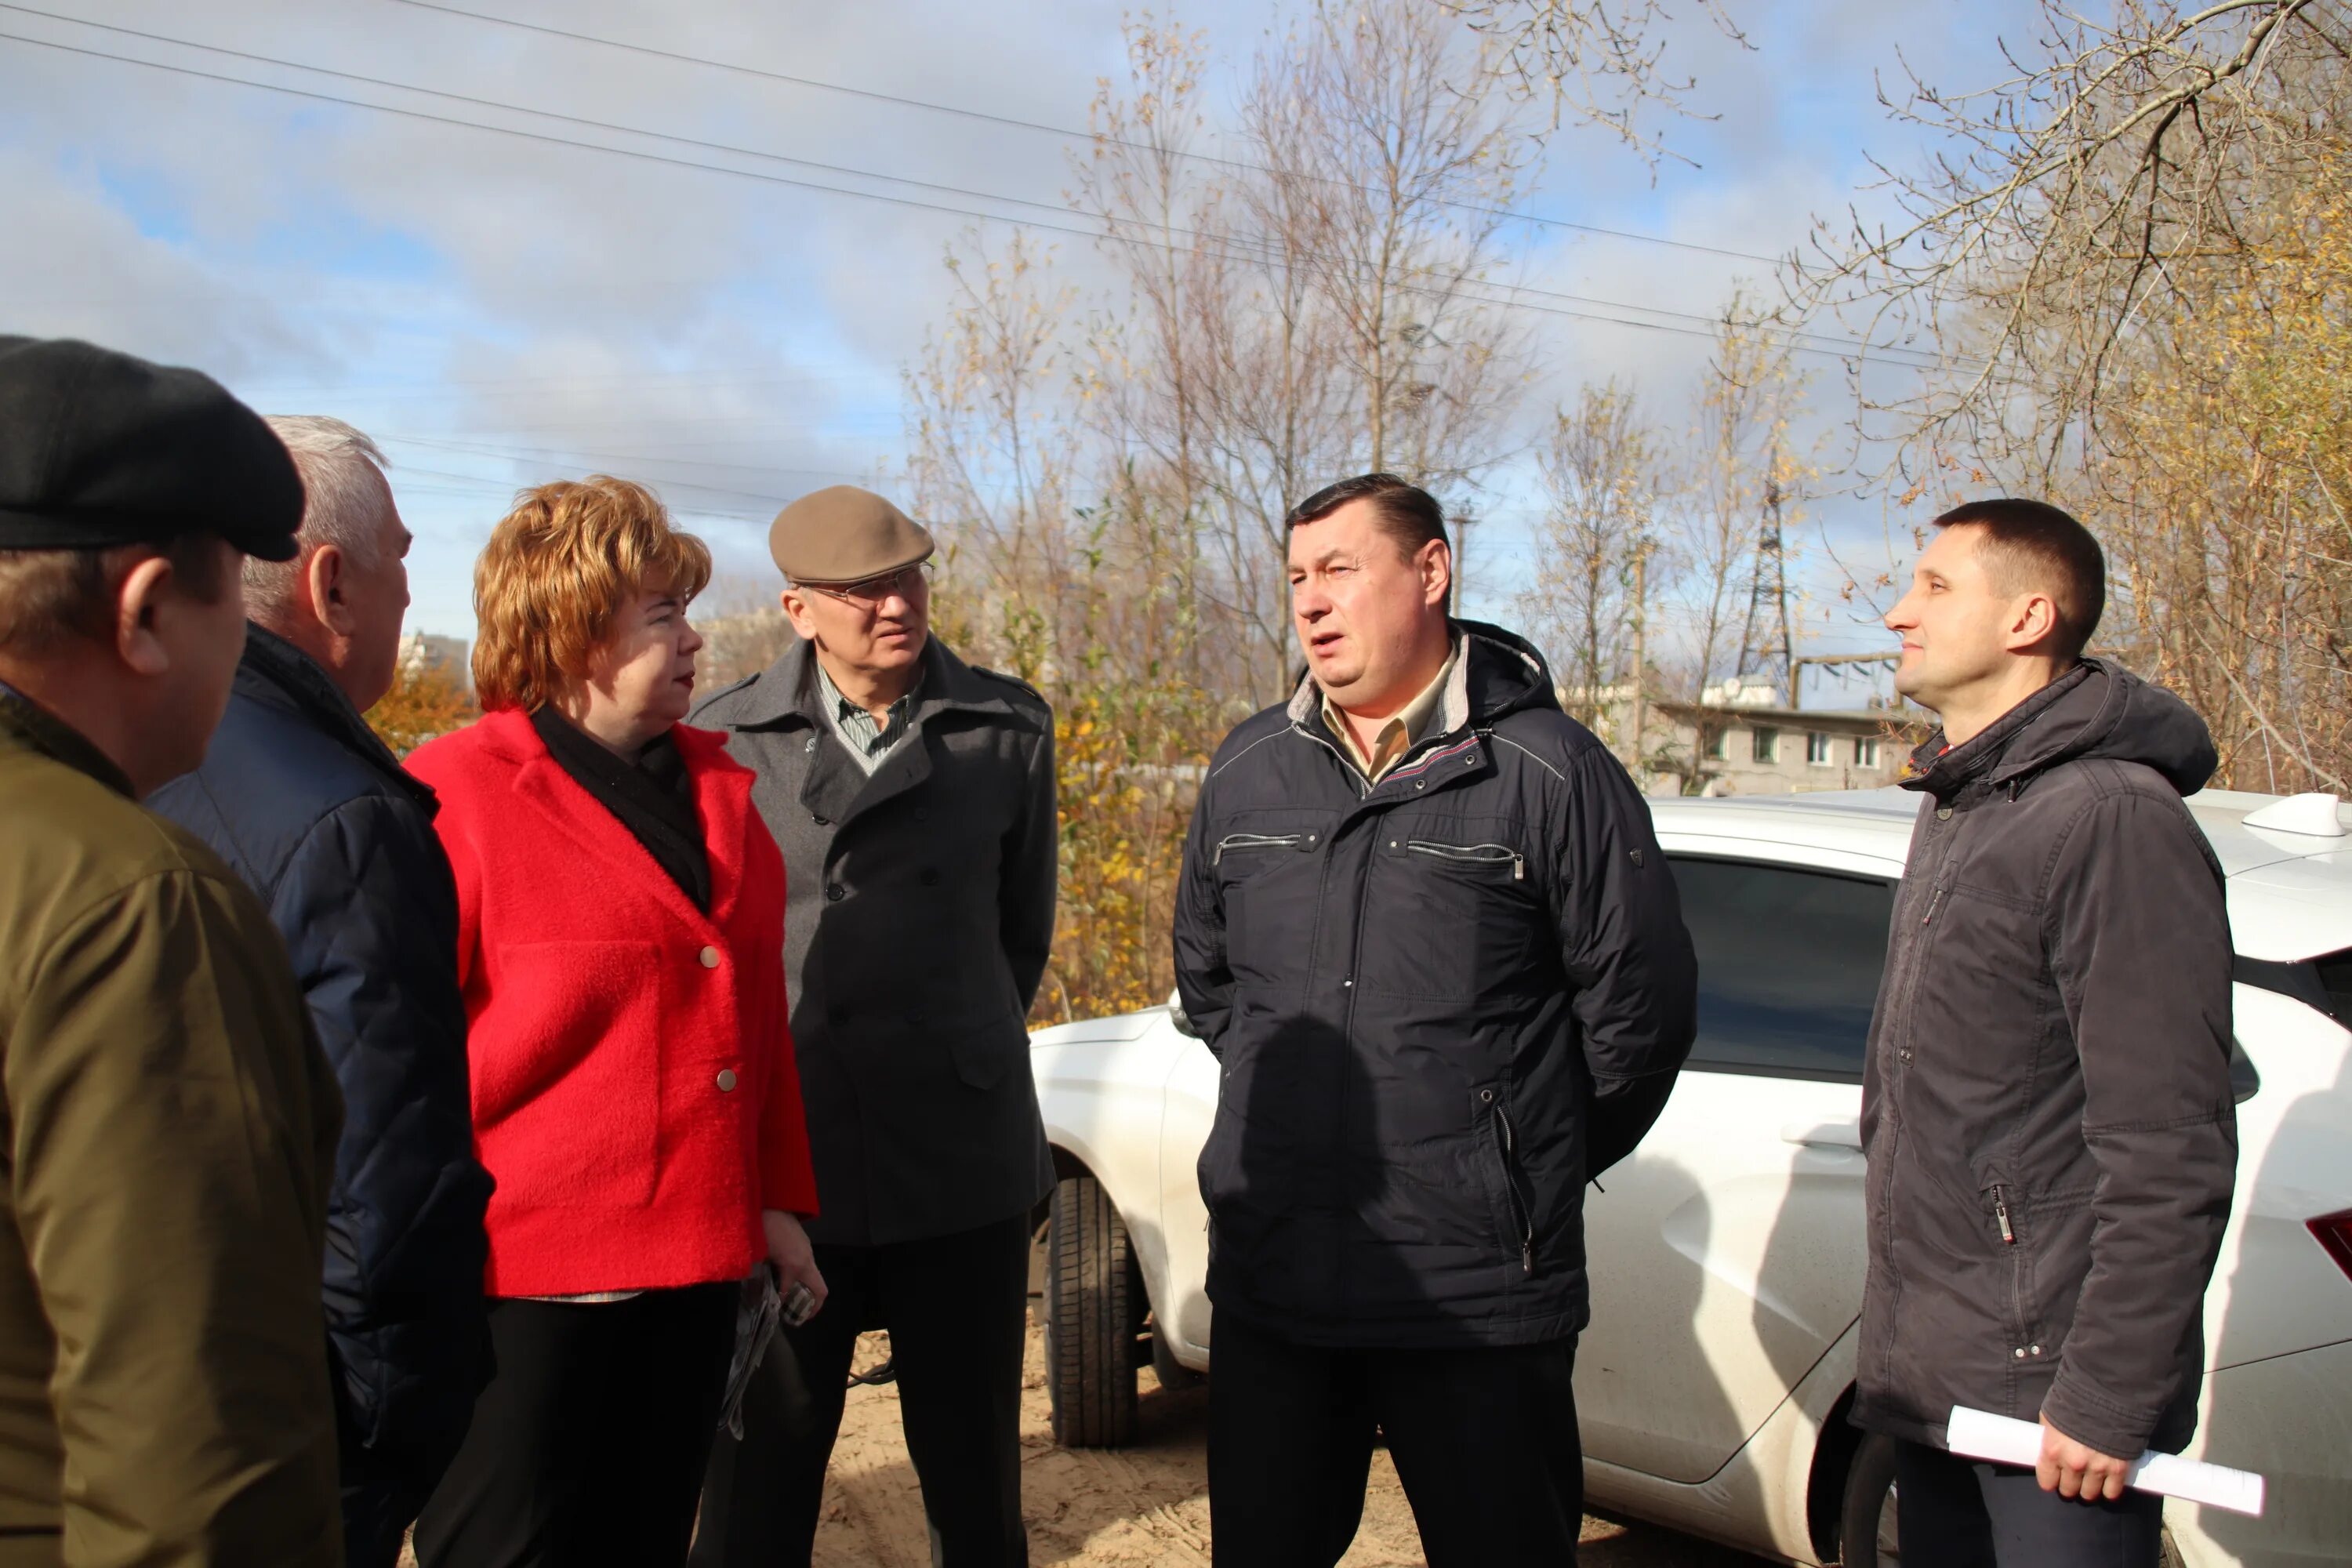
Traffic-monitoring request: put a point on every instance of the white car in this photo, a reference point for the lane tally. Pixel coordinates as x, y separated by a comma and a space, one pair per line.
1726, 1255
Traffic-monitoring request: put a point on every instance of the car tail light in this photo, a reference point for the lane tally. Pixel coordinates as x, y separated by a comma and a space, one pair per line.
2335, 1233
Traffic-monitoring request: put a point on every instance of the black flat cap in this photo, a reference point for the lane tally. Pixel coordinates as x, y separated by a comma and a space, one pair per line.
97, 448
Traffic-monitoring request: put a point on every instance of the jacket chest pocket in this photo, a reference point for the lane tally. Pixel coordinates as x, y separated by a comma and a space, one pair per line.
1455, 909
1269, 870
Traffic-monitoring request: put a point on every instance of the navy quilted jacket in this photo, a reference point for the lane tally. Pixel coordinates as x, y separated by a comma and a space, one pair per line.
299, 795
1440, 1003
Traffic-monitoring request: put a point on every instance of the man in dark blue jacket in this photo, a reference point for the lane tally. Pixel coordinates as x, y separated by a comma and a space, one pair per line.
299, 795
1425, 927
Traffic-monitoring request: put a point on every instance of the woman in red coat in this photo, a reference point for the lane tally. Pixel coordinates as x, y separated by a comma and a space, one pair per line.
621, 939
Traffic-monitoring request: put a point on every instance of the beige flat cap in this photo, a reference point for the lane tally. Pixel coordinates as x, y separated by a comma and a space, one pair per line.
844, 534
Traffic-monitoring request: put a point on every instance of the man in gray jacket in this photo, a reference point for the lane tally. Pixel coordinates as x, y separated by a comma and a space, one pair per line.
2046, 1107
913, 797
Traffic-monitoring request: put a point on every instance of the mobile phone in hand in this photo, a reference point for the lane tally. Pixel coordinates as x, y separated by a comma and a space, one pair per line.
800, 1304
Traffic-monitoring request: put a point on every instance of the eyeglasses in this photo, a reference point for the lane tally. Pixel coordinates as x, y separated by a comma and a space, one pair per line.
869, 592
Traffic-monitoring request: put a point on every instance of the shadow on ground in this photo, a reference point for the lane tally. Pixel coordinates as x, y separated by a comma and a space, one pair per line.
1146, 1504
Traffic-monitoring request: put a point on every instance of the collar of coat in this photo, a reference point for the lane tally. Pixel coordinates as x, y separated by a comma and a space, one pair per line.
1499, 672
27, 723
275, 674
2096, 710
722, 803
786, 691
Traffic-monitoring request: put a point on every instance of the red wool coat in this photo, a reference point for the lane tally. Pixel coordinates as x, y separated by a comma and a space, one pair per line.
634, 1088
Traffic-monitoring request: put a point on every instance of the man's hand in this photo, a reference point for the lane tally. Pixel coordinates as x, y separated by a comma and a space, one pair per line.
789, 1251
2073, 1470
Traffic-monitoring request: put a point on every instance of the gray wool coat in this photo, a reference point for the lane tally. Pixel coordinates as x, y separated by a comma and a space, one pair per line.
918, 917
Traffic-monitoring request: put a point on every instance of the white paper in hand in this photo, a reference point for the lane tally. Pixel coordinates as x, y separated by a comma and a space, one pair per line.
1981, 1435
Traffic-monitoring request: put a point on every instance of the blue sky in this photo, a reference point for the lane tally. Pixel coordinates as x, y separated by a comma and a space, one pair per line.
501, 310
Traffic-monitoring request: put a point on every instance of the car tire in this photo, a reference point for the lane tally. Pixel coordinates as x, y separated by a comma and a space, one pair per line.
1094, 1306
1866, 1518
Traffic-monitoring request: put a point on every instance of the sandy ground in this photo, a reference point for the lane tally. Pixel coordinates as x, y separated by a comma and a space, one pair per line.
1146, 1504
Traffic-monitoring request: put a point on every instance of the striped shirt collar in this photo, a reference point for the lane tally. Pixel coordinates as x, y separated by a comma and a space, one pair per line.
867, 741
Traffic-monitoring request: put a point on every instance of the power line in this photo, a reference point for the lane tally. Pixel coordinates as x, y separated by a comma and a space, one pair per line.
523, 454
1515, 290
1063, 132
1796, 338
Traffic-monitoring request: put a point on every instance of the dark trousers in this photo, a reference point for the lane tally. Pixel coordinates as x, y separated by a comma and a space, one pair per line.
376, 1515
957, 1310
1964, 1513
588, 1445
1484, 1438
383, 1494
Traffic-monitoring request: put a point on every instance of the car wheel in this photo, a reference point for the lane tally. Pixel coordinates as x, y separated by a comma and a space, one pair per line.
1094, 1305
1866, 1537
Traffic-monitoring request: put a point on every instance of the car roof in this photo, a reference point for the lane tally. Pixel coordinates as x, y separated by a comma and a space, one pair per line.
2290, 894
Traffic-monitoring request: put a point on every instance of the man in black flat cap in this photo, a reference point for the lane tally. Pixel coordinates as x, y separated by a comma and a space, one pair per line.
171, 1120
913, 797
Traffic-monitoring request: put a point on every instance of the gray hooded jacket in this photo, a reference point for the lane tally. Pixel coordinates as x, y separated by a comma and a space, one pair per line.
2047, 1106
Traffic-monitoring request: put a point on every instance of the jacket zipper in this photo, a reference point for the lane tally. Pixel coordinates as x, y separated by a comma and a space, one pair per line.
2000, 1212
1511, 1190
1363, 790
1255, 841
1935, 903
1476, 854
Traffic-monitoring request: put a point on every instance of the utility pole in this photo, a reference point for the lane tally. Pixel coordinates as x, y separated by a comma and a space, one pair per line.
1462, 522
1797, 665
1765, 645
1641, 653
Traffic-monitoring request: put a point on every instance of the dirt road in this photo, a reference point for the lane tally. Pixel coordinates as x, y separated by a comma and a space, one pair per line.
1146, 1504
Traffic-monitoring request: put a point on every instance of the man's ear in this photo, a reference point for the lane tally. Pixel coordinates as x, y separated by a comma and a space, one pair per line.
327, 574
143, 600
1435, 567
2034, 618
796, 611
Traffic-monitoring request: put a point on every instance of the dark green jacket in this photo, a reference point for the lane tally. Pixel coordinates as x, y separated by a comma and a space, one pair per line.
918, 924
171, 1127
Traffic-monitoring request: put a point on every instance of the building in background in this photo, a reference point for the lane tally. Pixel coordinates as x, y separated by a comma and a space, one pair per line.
1743, 738
423, 653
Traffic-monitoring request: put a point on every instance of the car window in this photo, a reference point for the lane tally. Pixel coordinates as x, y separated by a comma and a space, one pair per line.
1788, 965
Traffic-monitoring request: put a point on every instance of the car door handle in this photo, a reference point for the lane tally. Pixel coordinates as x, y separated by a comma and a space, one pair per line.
1824, 1134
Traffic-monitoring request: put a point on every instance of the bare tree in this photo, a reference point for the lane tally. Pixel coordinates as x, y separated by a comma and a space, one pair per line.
1737, 454
1602, 478
1308, 310
1593, 61
994, 457
2128, 259
2118, 172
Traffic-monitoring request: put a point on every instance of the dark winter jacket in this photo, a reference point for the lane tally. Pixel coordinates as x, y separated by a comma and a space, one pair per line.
311, 810
1441, 1003
2046, 1107
918, 922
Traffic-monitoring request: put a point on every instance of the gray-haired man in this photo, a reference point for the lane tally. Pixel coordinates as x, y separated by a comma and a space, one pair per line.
913, 797
307, 806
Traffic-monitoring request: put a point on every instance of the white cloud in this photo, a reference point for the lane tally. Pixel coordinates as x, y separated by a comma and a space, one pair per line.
514, 311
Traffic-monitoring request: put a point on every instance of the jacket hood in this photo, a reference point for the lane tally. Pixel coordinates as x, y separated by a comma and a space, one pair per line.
2098, 710
1499, 673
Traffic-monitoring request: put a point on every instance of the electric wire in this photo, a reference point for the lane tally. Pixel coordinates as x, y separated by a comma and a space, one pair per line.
1799, 340
1059, 210
1063, 132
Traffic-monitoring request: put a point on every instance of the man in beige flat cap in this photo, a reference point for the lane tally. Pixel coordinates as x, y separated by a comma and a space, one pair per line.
913, 797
